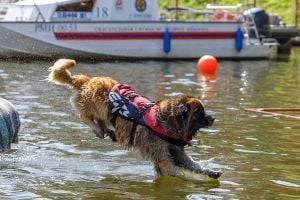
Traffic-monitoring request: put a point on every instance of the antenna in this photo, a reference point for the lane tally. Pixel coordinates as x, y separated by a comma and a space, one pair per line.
176, 11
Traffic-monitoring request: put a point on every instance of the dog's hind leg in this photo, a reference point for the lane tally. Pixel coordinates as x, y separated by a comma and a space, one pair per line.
181, 159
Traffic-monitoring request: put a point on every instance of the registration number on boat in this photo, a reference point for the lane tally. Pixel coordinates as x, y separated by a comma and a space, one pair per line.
50, 27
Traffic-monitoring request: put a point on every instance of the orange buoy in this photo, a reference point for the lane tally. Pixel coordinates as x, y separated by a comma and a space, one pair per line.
223, 15
207, 65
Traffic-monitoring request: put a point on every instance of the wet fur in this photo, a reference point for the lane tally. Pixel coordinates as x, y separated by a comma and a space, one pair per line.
182, 115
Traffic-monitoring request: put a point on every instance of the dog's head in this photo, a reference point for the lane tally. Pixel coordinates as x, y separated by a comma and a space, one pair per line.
183, 115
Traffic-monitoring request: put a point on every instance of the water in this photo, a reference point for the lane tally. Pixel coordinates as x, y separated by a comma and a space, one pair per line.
59, 158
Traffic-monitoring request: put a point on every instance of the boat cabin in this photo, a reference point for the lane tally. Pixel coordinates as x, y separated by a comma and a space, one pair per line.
83, 10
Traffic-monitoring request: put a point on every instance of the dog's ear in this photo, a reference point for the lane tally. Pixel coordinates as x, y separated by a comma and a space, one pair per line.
194, 104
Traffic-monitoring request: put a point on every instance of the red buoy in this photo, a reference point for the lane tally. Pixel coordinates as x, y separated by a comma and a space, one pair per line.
207, 65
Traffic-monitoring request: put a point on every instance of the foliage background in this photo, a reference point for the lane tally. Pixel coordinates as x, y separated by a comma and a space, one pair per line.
285, 8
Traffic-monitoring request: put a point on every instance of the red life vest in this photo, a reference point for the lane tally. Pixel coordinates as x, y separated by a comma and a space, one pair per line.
125, 102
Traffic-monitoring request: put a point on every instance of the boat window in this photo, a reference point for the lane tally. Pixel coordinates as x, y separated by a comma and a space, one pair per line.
82, 6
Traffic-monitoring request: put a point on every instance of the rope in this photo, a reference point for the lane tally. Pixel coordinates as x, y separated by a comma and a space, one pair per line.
272, 111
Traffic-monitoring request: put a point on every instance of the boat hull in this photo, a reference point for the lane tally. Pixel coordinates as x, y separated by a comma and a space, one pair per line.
188, 40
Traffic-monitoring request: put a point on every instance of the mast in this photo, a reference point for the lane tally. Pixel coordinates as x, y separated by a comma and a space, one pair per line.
176, 11
297, 12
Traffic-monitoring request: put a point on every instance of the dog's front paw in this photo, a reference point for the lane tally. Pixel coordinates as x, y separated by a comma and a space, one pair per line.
111, 134
98, 134
214, 174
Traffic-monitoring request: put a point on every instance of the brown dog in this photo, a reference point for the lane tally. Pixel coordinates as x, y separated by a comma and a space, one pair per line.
182, 116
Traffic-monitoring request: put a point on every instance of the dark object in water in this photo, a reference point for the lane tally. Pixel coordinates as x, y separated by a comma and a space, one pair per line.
9, 124
286, 47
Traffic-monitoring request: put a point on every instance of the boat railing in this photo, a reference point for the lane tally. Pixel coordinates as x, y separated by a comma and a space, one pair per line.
217, 13
248, 23
171, 14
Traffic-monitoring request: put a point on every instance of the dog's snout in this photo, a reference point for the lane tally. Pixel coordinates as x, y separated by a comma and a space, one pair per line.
210, 120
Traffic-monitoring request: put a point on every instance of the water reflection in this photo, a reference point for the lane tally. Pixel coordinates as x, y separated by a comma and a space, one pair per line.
59, 157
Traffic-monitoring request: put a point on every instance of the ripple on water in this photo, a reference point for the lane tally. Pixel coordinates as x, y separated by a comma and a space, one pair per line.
211, 165
238, 145
229, 183
189, 74
28, 195
286, 183
133, 171
13, 93
165, 83
23, 108
173, 94
211, 112
65, 148
39, 105
202, 197
205, 147
211, 131
184, 81
219, 190
27, 97
169, 75
4, 76
255, 169
115, 153
254, 151
70, 124
58, 114
251, 138
232, 108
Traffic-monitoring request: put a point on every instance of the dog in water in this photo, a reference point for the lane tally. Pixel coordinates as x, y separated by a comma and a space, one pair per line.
158, 131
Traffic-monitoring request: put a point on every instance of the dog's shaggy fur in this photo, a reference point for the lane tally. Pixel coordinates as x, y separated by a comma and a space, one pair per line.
92, 102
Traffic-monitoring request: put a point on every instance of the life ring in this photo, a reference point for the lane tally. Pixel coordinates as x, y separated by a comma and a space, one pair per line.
223, 15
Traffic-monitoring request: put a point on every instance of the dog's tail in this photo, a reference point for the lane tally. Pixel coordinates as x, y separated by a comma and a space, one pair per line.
60, 74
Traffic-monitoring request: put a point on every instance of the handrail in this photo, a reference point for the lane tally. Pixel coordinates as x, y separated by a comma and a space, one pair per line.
254, 24
187, 9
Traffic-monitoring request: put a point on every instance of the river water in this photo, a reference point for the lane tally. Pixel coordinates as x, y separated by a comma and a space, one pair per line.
59, 158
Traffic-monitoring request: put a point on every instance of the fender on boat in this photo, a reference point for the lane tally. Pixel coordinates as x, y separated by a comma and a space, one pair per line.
239, 37
167, 41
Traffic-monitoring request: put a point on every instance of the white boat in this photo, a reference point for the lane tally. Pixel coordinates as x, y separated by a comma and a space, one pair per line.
121, 29
4, 5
